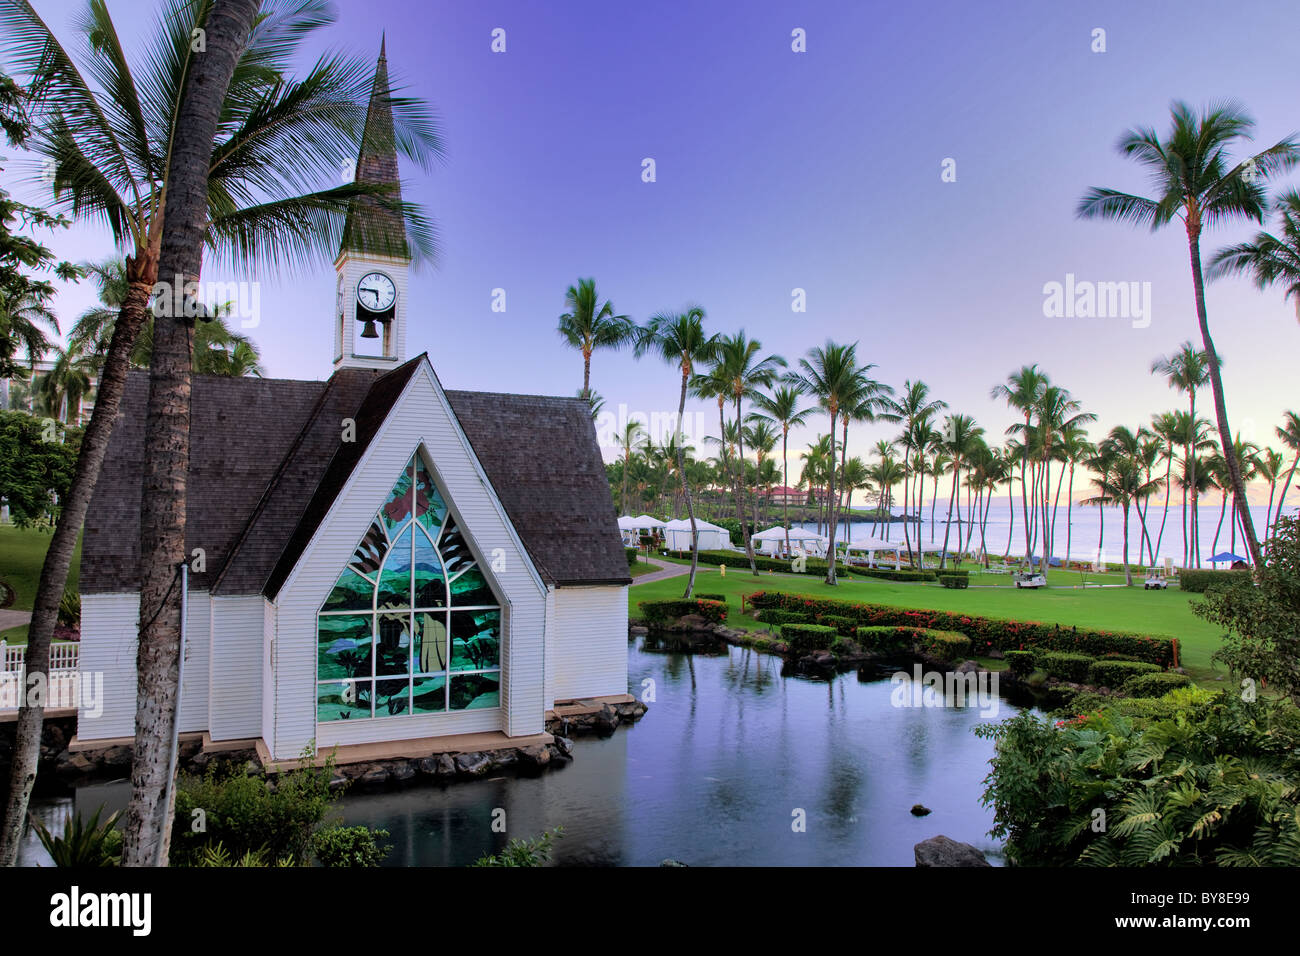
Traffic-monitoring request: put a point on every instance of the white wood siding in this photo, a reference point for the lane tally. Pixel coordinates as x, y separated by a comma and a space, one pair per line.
420, 418
109, 636
268, 672
235, 688
587, 652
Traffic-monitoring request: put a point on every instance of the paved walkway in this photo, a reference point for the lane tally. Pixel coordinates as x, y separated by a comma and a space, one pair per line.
11, 618
667, 569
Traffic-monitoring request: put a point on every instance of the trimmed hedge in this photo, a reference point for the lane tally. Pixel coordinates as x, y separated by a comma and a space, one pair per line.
943, 645
774, 615
632, 555
1197, 581
888, 574
709, 597
665, 612
1066, 666
954, 580
1020, 663
886, 640
844, 626
986, 632
802, 638
737, 559
1154, 685
1115, 673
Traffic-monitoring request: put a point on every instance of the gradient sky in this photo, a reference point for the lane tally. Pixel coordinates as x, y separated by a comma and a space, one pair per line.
817, 170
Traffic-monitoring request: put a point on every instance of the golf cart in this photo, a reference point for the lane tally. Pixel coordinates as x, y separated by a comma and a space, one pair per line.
1155, 579
1029, 579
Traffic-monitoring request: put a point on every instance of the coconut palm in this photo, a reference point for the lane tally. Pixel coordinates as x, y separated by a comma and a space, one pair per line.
869, 402
831, 373
627, 440
590, 324
961, 437
109, 140
916, 411
782, 407
1122, 485
760, 436
1022, 391
62, 388
1164, 427
746, 373
1268, 467
21, 320
1268, 259
1289, 432
855, 477
1195, 183
678, 338
1187, 370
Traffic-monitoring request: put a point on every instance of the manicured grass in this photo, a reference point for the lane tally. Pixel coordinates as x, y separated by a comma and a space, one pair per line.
22, 552
1165, 613
642, 567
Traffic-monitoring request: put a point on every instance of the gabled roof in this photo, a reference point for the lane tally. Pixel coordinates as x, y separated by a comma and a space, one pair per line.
266, 463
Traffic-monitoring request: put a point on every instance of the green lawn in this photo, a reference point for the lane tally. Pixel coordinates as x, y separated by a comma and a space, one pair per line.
22, 553
1166, 613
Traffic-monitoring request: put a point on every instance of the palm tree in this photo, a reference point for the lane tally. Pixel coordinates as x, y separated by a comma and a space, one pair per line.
590, 324
1194, 183
782, 407
831, 373
1076, 449
1164, 427
109, 144
21, 318
1186, 370
816, 465
627, 440
855, 477
1022, 391
870, 402
761, 437
1056, 412
62, 388
1289, 432
1268, 259
1122, 484
745, 374
960, 436
1268, 467
915, 410
679, 339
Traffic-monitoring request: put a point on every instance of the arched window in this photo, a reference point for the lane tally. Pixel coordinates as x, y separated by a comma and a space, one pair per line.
412, 625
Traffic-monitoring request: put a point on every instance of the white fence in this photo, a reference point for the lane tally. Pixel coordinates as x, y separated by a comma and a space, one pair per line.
63, 674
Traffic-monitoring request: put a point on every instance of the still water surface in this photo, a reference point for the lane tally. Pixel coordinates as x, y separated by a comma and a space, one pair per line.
711, 776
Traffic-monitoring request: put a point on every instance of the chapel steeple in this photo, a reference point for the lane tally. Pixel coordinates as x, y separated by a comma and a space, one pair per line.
374, 254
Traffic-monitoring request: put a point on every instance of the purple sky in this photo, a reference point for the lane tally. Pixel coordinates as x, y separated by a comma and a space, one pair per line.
817, 170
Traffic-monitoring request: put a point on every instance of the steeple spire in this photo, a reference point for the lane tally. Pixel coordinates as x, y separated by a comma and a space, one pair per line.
371, 226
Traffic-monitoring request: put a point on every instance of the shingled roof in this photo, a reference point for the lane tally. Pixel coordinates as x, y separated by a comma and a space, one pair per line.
257, 444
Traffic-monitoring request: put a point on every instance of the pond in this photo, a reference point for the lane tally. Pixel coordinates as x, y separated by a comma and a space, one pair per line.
713, 776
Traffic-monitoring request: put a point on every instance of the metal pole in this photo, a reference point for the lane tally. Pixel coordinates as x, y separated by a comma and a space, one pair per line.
165, 838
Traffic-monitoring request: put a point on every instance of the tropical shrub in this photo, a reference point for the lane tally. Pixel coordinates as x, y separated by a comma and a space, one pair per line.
245, 814
943, 645
845, 647
1154, 685
70, 609
802, 638
524, 852
1214, 782
954, 580
985, 632
83, 843
1114, 673
709, 597
1066, 666
1020, 663
1198, 581
1263, 621
666, 612
349, 846
632, 555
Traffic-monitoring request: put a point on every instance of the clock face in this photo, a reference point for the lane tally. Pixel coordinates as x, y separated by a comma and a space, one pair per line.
376, 292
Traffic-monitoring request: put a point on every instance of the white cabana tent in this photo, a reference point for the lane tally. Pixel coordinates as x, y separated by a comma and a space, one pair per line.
677, 535
772, 541
631, 528
869, 546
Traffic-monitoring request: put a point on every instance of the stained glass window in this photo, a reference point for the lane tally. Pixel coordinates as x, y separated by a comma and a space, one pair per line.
412, 625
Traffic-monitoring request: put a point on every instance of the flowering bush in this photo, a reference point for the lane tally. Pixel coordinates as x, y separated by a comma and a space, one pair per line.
665, 612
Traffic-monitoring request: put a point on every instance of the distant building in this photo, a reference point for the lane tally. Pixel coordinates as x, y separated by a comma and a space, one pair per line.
784, 495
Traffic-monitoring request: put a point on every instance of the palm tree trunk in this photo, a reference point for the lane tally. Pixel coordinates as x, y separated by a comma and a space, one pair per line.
956, 471
1169, 465
1239, 499
1223, 510
907, 499
586, 374
1069, 509
147, 830
142, 273
785, 481
1128, 572
830, 496
1285, 488
1011, 515
686, 488
740, 499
